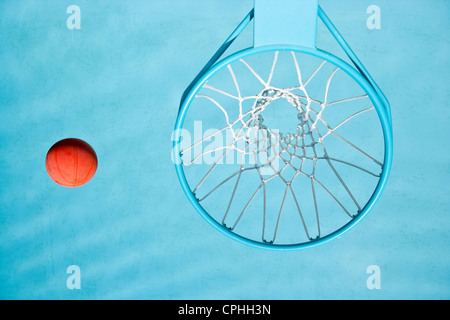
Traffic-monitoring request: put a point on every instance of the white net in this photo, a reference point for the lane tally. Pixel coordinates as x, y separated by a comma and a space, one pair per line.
282, 147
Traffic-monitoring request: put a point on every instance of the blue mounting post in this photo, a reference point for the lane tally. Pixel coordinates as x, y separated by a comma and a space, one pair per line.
282, 22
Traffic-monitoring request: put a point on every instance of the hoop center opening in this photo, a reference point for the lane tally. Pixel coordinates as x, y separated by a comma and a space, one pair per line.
280, 112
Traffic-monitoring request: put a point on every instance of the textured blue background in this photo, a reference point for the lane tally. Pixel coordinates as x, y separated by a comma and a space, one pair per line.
117, 82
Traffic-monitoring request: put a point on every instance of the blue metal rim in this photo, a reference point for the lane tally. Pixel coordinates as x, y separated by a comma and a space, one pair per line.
380, 108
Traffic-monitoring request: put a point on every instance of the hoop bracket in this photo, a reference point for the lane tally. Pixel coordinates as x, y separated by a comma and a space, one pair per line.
292, 22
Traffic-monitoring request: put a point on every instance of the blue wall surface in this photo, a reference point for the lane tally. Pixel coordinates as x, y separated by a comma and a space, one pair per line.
117, 82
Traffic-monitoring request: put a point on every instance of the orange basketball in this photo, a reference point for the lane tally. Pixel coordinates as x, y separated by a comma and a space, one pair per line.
71, 162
